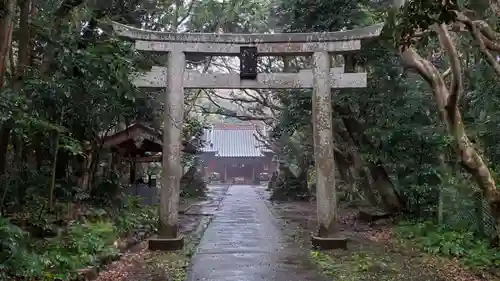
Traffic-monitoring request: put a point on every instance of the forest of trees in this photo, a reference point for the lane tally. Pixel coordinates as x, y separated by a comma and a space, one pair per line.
422, 139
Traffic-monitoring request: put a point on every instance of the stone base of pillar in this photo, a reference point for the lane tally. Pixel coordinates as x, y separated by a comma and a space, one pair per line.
166, 244
329, 243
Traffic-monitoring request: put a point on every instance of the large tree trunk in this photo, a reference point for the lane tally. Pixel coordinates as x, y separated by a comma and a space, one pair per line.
303, 169
447, 103
359, 172
6, 27
347, 175
391, 201
23, 56
383, 184
7, 14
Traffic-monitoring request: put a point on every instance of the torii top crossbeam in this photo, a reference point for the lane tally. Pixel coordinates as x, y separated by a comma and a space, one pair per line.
147, 35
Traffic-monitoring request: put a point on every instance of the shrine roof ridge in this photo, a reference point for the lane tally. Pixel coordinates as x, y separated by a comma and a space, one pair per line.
233, 38
228, 126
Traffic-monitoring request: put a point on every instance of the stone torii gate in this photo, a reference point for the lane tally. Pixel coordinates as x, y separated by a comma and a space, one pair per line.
322, 78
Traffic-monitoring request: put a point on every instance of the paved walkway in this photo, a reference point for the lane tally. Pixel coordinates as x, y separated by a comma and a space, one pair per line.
245, 243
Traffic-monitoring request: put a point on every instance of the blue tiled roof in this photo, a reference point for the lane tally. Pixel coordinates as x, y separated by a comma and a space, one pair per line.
234, 141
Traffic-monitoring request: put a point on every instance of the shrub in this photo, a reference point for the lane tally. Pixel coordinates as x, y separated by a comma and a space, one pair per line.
473, 251
79, 245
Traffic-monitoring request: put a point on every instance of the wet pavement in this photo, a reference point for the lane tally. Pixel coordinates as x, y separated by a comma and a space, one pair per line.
245, 242
209, 205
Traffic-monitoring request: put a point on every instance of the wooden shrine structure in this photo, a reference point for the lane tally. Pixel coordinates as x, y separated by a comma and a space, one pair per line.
138, 143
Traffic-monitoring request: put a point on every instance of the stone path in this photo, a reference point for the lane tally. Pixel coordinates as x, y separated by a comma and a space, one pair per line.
244, 242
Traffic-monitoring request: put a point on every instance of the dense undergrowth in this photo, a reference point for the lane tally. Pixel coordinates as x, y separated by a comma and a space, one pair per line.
79, 244
470, 249
421, 251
